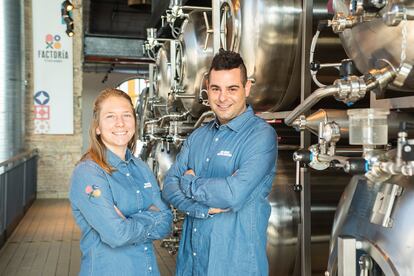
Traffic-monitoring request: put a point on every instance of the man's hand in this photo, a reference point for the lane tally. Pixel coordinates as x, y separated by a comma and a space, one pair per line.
213, 211
190, 171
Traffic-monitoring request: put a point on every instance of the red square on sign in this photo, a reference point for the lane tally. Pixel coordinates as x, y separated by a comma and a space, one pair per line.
41, 112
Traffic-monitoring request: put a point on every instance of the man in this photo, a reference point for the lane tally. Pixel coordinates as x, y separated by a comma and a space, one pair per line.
221, 180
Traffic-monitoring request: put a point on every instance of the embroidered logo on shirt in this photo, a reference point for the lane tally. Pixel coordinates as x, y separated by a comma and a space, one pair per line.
147, 185
225, 153
93, 191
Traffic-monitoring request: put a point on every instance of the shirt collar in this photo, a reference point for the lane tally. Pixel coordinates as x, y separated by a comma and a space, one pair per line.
236, 123
114, 159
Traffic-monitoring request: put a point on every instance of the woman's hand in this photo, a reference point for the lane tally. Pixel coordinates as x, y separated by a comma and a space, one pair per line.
119, 212
154, 208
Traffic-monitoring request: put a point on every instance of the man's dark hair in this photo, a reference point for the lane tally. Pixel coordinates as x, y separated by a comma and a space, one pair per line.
227, 60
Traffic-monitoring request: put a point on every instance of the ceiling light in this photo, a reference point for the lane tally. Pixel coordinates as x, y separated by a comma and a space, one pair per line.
69, 29
67, 5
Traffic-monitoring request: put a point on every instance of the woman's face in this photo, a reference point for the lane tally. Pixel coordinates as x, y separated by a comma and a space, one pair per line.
116, 124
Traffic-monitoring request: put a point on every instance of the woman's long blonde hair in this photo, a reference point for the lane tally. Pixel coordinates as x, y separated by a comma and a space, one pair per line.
97, 149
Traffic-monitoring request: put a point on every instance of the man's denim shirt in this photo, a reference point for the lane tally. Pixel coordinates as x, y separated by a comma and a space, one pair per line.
234, 166
111, 245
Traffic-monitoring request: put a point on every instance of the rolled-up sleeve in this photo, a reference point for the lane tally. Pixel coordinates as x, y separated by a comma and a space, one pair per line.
91, 194
172, 192
257, 165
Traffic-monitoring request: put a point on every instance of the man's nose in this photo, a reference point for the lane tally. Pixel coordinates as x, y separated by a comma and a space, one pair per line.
222, 96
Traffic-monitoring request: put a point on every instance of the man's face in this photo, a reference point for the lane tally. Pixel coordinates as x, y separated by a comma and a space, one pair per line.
226, 94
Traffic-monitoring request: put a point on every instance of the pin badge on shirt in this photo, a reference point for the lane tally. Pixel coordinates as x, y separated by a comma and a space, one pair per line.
93, 191
147, 185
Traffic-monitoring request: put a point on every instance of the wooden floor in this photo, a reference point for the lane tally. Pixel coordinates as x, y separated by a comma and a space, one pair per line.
46, 242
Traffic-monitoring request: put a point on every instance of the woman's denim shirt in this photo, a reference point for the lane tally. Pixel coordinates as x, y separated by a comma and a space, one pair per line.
234, 166
112, 245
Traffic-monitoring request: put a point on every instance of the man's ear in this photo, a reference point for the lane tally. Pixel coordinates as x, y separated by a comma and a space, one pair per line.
247, 88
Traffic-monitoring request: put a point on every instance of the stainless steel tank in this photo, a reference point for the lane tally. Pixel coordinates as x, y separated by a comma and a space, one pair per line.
163, 77
195, 57
283, 244
266, 33
160, 158
368, 42
193, 54
391, 248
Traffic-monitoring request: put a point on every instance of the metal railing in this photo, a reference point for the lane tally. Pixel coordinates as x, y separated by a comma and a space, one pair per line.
18, 185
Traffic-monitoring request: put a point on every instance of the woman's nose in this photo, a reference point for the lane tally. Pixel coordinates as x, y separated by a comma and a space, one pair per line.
119, 121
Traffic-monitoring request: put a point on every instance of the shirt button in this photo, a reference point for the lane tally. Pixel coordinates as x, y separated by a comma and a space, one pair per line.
208, 159
138, 191
128, 174
194, 253
216, 139
145, 248
202, 215
188, 213
195, 229
149, 268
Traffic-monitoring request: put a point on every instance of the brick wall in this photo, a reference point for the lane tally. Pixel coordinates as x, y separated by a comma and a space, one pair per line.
58, 153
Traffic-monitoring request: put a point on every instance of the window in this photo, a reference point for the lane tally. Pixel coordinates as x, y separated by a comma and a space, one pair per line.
133, 88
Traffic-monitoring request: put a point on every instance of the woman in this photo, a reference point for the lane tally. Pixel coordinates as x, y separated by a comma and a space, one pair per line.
115, 198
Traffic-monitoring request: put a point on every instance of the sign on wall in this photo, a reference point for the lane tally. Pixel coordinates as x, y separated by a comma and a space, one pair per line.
52, 69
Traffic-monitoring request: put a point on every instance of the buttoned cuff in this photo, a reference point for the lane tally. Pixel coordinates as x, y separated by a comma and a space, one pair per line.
201, 213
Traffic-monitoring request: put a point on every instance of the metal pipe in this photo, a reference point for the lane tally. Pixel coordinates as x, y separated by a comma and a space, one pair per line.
305, 195
310, 101
202, 117
170, 116
327, 65
195, 8
184, 96
144, 110
340, 117
216, 26
328, 158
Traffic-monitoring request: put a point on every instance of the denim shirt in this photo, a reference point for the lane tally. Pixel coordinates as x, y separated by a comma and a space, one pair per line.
112, 245
234, 166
